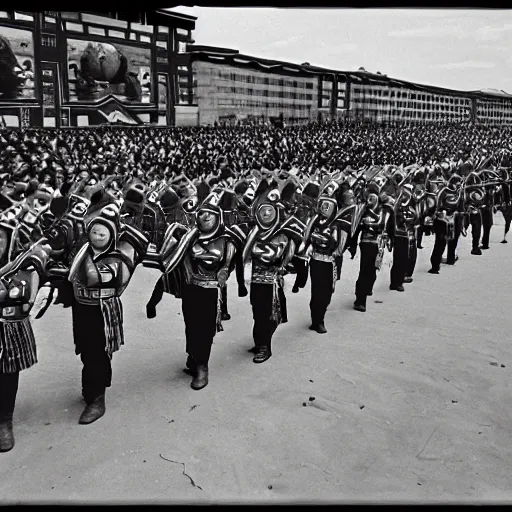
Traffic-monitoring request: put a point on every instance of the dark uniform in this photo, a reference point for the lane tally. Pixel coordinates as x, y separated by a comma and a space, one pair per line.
270, 245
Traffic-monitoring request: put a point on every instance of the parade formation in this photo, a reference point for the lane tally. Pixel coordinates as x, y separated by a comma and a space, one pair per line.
81, 209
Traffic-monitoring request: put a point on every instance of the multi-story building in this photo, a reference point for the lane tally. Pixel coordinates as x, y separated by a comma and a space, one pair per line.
493, 107
231, 86
64, 69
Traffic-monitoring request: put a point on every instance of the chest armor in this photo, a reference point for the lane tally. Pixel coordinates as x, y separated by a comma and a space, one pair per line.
99, 279
269, 252
370, 232
450, 202
207, 257
322, 240
410, 216
15, 295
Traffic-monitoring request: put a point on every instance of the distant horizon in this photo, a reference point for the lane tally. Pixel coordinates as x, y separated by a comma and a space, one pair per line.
464, 50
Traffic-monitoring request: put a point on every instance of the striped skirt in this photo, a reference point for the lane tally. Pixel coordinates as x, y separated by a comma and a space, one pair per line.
17, 345
101, 324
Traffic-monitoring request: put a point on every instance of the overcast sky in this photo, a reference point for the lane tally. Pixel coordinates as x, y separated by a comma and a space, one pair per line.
458, 49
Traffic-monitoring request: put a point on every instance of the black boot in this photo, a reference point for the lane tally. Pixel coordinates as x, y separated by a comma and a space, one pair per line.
6, 434
150, 310
318, 327
360, 303
262, 355
201, 378
407, 279
476, 251
191, 367
8, 391
93, 411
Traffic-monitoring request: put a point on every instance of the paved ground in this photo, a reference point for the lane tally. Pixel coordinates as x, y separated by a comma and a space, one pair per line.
411, 400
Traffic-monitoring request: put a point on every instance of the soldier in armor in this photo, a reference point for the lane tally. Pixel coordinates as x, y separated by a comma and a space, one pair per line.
230, 220
204, 256
412, 215
270, 245
179, 201
373, 233
306, 209
491, 182
445, 218
399, 237
326, 237
474, 200
504, 202
99, 274
22, 268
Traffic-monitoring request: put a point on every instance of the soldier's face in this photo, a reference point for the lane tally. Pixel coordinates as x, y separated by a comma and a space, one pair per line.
326, 208
99, 236
267, 214
207, 221
39, 204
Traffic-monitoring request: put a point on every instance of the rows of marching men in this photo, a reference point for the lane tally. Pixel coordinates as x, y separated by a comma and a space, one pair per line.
85, 242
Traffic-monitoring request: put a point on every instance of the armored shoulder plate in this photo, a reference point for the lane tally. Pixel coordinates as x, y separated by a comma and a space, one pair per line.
136, 239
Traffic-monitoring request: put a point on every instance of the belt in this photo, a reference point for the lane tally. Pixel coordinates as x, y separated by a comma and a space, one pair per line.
318, 256
96, 293
15, 312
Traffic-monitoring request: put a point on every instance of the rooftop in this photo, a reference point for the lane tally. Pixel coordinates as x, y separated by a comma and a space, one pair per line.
234, 57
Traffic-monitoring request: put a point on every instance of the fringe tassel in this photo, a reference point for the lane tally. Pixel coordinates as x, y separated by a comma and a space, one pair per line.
219, 311
276, 305
412, 242
112, 310
334, 275
17, 345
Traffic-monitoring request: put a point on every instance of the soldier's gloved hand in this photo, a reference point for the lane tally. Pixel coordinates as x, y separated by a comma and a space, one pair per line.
222, 277
242, 290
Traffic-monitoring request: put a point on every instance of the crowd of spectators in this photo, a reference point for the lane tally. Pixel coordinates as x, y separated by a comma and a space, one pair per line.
151, 153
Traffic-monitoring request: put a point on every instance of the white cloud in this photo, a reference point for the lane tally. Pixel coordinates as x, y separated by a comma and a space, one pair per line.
490, 33
428, 32
468, 64
283, 42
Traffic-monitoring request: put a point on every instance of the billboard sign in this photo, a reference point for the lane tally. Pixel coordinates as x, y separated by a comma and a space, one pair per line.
97, 69
16, 64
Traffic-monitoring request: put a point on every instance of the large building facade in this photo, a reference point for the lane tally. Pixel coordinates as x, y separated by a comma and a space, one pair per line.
235, 87
64, 69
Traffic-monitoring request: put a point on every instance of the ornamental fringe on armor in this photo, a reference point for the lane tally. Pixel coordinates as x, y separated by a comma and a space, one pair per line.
411, 235
17, 345
334, 275
219, 312
112, 310
276, 304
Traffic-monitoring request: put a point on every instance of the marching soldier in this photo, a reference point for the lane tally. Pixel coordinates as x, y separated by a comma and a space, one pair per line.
270, 245
448, 205
327, 233
373, 232
22, 269
99, 274
204, 257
